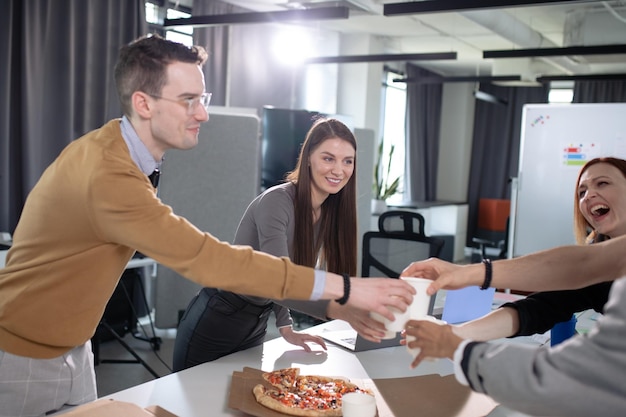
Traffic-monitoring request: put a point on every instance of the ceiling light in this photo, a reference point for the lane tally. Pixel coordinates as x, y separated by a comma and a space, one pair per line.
343, 59
570, 50
431, 6
440, 80
322, 13
582, 77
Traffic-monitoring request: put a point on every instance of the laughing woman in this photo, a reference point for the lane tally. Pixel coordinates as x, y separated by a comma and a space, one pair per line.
599, 214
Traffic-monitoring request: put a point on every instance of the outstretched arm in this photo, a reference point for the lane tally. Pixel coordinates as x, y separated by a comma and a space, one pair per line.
503, 322
565, 267
370, 294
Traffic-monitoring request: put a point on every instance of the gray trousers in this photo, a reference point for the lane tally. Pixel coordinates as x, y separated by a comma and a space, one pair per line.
36, 387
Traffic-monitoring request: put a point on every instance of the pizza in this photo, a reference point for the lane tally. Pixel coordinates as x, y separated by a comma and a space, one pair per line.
303, 395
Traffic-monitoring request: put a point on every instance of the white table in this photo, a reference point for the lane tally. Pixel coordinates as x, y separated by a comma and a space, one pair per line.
203, 390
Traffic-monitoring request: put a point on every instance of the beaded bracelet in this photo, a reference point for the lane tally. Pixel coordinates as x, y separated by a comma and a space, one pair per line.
346, 290
488, 274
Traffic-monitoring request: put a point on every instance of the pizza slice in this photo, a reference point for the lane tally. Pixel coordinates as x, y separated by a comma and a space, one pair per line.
323, 384
282, 378
293, 404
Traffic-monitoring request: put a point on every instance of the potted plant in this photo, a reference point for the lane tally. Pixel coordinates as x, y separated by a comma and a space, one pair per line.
383, 187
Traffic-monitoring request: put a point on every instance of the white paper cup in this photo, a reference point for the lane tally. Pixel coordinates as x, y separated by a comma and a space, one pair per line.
415, 351
392, 327
358, 404
419, 308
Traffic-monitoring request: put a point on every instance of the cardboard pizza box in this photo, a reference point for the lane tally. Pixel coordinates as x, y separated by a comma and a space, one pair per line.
241, 396
433, 396
112, 408
417, 396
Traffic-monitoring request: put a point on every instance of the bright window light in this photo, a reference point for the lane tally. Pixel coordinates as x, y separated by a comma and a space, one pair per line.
177, 14
560, 95
393, 128
170, 35
561, 92
152, 13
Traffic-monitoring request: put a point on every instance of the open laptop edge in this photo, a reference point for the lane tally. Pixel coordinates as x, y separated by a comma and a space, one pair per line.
348, 338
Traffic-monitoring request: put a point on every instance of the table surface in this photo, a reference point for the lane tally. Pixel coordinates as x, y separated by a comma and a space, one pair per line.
203, 390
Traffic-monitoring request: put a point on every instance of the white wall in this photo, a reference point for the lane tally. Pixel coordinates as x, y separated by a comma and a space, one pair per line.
457, 124
359, 89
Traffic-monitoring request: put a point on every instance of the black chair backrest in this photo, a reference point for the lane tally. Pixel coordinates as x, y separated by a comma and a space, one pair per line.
387, 254
400, 221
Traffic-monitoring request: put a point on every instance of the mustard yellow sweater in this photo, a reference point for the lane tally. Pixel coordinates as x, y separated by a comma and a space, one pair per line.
82, 222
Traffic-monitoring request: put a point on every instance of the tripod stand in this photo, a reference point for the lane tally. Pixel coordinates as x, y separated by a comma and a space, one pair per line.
121, 317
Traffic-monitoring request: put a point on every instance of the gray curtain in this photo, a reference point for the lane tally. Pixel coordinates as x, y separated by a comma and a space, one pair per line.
495, 145
613, 91
56, 83
423, 115
240, 73
215, 40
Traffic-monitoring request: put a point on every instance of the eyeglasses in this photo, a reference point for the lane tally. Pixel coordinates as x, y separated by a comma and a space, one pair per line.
192, 103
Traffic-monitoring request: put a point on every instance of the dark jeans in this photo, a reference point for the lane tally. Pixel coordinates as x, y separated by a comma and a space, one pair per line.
215, 324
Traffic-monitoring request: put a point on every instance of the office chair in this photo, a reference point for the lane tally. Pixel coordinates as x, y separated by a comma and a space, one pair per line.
395, 221
501, 244
401, 235
387, 254
492, 229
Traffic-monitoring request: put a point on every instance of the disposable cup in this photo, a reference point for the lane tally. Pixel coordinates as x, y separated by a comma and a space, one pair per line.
358, 404
392, 327
421, 301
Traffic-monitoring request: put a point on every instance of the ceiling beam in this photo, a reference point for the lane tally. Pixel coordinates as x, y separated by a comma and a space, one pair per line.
321, 13
432, 6
589, 77
570, 50
440, 80
344, 59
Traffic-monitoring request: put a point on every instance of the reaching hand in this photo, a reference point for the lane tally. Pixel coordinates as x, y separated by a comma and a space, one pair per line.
444, 274
377, 294
436, 340
360, 321
301, 339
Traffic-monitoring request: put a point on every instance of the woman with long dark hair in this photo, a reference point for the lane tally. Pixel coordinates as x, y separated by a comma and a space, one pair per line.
311, 218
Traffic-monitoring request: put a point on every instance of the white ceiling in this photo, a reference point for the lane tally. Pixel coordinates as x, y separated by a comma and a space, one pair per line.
469, 33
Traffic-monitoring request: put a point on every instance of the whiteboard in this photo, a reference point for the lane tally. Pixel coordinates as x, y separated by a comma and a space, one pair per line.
556, 141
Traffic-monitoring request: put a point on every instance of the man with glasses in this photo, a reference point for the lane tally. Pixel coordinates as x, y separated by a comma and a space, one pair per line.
94, 206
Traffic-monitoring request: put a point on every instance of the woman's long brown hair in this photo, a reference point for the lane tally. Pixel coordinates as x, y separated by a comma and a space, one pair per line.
338, 220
